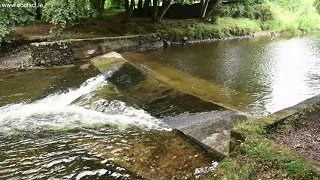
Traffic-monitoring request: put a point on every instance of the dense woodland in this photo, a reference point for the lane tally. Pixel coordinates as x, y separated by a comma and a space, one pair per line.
302, 15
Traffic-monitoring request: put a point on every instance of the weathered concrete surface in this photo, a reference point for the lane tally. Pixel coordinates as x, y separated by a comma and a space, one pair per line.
17, 59
108, 62
68, 51
88, 48
211, 129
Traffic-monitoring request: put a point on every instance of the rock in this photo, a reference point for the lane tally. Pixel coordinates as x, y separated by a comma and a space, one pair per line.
185, 39
166, 43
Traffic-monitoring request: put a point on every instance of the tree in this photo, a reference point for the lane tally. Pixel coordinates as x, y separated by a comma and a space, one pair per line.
157, 15
38, 10
9, 16
208, 7
213, 6
146, 8
129, 7
60, 12
98, 5
154, 10
317, 5
165, 6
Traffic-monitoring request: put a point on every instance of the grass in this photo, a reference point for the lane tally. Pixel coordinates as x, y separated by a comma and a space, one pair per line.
223, 27
261, 158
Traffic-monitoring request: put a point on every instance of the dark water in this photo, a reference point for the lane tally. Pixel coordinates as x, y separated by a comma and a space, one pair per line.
273, 73
36, 84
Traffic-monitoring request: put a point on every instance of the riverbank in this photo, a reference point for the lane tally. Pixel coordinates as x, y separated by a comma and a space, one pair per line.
21, 57
170, 31
262, 152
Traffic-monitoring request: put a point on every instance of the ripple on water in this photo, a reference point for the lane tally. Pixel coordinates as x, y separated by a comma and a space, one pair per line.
106, 153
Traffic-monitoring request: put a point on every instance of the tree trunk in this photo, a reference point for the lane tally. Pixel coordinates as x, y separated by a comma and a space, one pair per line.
140, 5
38, 11
146, 8
100, 8
140, 8
204, 9
202, 3
98, 5
165, 6
213, 8
154, 11
132, 6
129, 9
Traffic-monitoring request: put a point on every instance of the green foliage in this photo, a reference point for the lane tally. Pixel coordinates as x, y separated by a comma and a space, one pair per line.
317, 5
223, 27
10, 16
59, 12
298, 15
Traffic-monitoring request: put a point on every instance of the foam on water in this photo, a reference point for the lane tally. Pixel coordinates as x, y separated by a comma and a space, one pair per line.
56, 112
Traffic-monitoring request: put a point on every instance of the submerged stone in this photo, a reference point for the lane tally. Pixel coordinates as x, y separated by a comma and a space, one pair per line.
188, 84
154, 155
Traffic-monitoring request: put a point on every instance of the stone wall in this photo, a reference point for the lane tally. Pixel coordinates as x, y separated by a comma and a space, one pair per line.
68, 51
51, 53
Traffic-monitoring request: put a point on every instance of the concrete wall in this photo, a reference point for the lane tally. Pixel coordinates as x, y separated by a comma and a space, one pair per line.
68, 51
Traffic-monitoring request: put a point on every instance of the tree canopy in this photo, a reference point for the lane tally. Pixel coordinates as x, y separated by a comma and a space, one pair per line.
60, 12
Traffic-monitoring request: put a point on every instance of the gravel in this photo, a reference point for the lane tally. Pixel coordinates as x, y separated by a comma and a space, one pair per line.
303, 136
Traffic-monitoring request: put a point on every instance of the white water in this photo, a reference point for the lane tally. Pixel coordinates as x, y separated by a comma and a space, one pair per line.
56, 112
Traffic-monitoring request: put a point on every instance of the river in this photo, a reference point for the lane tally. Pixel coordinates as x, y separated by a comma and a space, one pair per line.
57, 123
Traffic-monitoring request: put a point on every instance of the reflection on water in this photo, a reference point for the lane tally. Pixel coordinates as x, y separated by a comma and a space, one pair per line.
274, 72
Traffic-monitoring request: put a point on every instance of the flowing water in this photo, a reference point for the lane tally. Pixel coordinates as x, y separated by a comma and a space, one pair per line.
272, 73
75, 123
59, 136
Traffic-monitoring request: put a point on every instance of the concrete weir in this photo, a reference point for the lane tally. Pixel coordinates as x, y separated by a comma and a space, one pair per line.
207, 123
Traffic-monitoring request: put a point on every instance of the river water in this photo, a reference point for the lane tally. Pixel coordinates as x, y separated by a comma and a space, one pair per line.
271, 72
49, 130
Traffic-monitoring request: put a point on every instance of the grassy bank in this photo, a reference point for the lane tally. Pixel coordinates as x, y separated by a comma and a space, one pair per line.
259, 156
